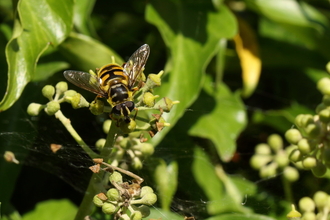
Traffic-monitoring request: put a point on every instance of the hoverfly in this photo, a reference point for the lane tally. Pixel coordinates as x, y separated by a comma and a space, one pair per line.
114, 82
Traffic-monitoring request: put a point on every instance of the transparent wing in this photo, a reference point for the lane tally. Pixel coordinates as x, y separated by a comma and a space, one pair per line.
135, 64
85, 80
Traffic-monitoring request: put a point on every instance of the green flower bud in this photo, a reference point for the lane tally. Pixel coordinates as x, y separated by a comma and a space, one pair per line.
306, 204
281, 159
145, 190
309, 216
116, 177
48, 91
149, 99
313, 130
145, 210
97, 201
108, 208
275, 142
304, 146
147, 149
154, 80
106, 126
68, 95
52, 107
78, 101
166, 104
113, 194
257, 161
100, 144
320, 198
324, 115
309, 162
293, 214
268, 171
323, 85
61, 87
319, 170
137, 163
293, 136
97, 107
137, 215
34, 109
149, 199
291, 174
295, 155
263, 149
299, 165
290, 148
127, 128
327, 67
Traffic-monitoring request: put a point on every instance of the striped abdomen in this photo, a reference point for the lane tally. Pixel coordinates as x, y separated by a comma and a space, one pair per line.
115, 81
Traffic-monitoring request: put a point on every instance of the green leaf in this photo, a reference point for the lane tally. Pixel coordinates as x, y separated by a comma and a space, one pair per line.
192, 37
53, 209
79, 48
42, 24
240, 217
222, 192
82, 19
166, 177
224, 123
45, 70
163, 214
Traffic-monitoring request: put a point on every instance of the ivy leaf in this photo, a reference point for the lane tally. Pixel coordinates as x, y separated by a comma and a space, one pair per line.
42, 24
192, 38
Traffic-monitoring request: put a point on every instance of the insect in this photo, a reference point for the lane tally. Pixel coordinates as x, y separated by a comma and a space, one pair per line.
114, 82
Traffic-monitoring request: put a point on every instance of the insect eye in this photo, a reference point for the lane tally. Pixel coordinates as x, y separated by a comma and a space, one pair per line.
130, 105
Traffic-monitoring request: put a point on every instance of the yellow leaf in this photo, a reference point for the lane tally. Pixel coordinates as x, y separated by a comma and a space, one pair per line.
248, 52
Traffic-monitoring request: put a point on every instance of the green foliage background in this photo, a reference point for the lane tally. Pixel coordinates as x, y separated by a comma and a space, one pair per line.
192, 41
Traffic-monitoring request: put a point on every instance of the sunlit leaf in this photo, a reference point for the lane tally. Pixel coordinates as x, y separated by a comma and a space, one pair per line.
192, 39
79, 49
247, 49
82, 19
45, 70
223, 125
53, 209
42, 24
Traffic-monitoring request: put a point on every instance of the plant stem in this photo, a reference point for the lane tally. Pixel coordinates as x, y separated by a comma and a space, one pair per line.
67, 124
96, 183
287, 189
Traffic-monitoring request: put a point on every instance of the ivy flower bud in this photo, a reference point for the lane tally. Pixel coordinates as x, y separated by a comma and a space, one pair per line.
108, 208
306, 204
309, 162
319, 170
323, 85
137, 163
304, 146
147, 149
293, 214
106, 126
116, 177
291, 174
97, 107
154, 79
145, 190
78, 101
128, 127
97, 201
295, 155
324, 115
113, 194
257, 161
166, 104
263, 149
149, 199
137, 215
293, 135
149, 99
275, 142
61, 87
100, 143
34, 109
52, 107
320, 198
68, 95
48, 91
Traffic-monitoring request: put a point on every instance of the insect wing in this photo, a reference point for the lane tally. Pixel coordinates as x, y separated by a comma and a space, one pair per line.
85, 80
135, 64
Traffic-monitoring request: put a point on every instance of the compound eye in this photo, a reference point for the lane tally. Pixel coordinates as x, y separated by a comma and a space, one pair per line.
116, 109
130, 105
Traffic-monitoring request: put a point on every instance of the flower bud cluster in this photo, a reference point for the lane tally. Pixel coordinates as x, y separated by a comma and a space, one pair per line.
310, 142
126, 201
271, 158
315, 208
129, 149
56, 95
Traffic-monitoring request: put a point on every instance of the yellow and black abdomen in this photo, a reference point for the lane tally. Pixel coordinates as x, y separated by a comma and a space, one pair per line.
115, 81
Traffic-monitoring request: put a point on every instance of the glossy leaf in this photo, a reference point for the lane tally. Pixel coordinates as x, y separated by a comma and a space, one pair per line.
82, 19
236, 216
192, 39
224, 123
166, 177
42, 24
87, 53
45, 70
223, 196
53, 209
